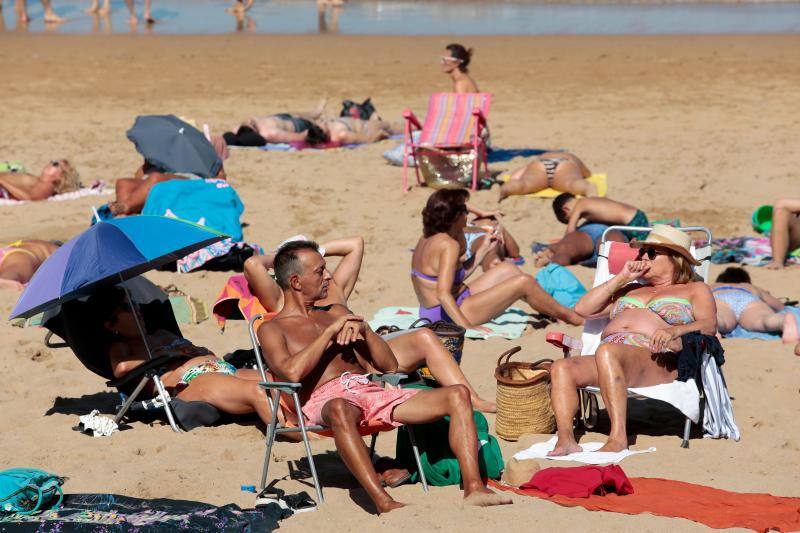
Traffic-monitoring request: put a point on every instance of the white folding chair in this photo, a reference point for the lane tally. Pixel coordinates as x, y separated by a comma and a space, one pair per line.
684, 395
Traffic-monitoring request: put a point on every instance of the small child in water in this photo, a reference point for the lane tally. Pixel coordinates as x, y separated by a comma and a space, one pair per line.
571, 210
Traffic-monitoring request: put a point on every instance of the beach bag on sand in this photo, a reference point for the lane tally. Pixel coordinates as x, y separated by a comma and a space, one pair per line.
523, 397
448, 169
28, 490
362, 111
438, 461
451, 335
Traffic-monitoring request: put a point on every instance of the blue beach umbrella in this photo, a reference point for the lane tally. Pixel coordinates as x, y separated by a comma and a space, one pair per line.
107, 253
173, 145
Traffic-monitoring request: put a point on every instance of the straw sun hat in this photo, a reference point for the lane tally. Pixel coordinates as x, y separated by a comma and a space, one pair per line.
663, 236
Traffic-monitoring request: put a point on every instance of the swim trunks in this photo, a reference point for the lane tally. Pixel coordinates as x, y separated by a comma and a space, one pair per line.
595, 231
639, 220
376, 403
208, 367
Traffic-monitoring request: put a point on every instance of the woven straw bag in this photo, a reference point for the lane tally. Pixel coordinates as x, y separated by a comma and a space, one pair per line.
523, 397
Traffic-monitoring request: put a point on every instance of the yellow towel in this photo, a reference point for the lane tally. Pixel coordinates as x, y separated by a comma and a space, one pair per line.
600, 181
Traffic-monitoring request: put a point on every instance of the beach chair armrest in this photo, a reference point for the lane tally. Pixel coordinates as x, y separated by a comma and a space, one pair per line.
283, 386
393, 379
410, 117
149, 369
563, 341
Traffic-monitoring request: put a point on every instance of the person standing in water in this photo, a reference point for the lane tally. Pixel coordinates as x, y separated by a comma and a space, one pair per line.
50, 16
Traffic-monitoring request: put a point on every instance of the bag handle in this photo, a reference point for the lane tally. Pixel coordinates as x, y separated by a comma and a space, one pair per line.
507, 354
417, 321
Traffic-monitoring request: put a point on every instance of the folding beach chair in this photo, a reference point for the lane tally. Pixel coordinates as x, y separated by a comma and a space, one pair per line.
274, 390
69, 322
455, 122
684, 395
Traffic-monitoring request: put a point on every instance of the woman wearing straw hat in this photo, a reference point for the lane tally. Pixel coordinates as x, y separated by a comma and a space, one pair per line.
640, 342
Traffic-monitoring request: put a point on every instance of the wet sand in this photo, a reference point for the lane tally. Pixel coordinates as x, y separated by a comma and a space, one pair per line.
700, 128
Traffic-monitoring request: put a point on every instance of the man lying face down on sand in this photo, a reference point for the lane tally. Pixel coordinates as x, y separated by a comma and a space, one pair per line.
328, 350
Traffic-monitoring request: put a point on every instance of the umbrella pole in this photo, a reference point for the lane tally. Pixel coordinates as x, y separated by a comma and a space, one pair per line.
162, 391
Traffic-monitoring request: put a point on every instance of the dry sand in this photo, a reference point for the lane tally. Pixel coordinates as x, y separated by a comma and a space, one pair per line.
700, 128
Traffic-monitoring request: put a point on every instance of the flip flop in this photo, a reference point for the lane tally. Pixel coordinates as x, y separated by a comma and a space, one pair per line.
402, 480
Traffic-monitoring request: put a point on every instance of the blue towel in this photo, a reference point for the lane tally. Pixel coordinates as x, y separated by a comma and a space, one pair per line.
741, 333
212, 203
561, 284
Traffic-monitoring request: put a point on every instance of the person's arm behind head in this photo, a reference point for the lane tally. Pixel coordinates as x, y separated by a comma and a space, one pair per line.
351, 249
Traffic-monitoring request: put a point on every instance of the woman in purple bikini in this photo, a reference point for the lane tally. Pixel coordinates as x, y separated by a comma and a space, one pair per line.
439, 272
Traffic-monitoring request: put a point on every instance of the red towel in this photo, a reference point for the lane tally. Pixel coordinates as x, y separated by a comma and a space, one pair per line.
580, 481
713, 507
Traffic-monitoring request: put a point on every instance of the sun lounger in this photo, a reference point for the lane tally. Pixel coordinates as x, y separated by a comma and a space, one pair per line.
685, 396
455, 122
274, 390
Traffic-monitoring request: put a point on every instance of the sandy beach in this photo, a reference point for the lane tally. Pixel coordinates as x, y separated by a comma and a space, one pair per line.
698, 128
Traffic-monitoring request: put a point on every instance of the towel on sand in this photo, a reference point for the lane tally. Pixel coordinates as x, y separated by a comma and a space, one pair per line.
97, 188
676, 499
589, 455
509, 325
754, 251
741, 333
599, 180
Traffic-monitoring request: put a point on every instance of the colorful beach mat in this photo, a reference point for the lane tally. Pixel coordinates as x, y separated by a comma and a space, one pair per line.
753, 251
510, 325
114, 513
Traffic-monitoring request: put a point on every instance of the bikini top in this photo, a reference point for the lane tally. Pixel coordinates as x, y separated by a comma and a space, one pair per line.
673, 311
460, 275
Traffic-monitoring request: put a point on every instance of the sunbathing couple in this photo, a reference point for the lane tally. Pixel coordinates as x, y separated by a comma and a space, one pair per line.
312, 128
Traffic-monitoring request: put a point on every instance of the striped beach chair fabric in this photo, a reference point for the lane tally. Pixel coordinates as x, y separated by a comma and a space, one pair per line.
454, 122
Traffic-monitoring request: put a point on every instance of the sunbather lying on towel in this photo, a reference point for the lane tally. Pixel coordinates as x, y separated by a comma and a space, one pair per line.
412, 350
485, 225
279, 128
785, 233
347, 130
57, 177
740, 303
20, 260
562, 171
328, 349
195, 375
439, 272
580, 241
640, 341
132, 192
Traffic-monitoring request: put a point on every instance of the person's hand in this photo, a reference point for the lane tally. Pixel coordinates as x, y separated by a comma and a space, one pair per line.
634, 270
347, 328
488, 244
662, 340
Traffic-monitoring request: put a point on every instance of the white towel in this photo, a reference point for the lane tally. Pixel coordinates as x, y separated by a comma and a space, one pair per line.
589, 455
97, 425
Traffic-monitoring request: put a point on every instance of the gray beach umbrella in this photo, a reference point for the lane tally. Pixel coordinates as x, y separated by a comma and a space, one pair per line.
171, 144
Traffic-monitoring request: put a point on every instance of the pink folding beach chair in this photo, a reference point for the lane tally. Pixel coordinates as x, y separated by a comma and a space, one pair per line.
455, 122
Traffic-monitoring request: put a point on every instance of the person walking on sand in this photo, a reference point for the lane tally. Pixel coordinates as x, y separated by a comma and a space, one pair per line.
327, 350
106, 9
49, 15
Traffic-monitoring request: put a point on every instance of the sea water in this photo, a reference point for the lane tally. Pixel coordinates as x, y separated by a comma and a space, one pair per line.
432, 17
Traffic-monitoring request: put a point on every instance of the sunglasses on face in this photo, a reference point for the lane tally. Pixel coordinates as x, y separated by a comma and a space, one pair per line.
448, 59
650, 252
55, 163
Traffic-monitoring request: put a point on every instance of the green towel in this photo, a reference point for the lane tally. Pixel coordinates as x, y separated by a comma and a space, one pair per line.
438, 461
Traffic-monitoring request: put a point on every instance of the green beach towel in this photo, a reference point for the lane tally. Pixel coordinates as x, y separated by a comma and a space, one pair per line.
438, 461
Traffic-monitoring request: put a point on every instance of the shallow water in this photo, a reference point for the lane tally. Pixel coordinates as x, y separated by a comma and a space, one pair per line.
398, 17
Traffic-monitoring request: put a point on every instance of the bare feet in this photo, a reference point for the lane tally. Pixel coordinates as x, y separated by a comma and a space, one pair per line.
105, 10
790, 329
388, 505
484, 406
773, 265
565, 447
484, 497
51, 18
542, 258
613, 445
